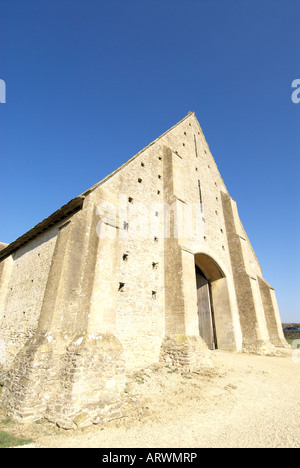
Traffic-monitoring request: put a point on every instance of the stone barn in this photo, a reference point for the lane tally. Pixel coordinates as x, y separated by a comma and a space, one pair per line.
152, 264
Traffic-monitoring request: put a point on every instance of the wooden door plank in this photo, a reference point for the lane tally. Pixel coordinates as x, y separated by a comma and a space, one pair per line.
204, 311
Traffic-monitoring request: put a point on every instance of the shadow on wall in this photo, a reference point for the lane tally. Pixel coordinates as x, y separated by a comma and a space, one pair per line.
33, 244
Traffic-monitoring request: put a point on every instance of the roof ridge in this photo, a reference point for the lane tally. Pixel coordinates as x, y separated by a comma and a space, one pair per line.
77, 202
136, 155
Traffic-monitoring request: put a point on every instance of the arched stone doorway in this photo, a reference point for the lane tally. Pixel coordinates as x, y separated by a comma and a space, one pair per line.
214, 309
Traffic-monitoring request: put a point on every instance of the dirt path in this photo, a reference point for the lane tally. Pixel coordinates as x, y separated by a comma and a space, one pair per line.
244, 401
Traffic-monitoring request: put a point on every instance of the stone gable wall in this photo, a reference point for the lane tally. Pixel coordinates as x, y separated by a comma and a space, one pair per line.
113, 288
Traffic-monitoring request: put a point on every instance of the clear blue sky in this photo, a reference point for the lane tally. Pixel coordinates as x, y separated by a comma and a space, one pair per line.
90, 83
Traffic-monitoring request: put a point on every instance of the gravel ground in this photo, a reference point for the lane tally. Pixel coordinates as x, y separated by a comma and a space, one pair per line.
243, 401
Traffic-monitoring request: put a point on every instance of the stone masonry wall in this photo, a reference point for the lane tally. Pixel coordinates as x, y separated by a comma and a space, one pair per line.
133, 199
20, 303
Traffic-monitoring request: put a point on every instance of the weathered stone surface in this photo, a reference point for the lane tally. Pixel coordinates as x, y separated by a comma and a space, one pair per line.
66, 424
185, 351
108, 284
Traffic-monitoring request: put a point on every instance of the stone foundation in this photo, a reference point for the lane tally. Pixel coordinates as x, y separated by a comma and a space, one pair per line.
92, 381
266, 348
82, 386
24, 396
187, 352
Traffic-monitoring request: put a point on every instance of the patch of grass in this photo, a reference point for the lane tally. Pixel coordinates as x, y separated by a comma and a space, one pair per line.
4, 422
139, 378
291, 340
7, 440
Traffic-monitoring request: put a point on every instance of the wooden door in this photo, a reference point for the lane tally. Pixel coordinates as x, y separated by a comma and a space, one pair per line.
206, 328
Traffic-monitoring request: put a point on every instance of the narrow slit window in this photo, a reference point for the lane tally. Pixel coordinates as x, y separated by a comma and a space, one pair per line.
200, 196
196, 151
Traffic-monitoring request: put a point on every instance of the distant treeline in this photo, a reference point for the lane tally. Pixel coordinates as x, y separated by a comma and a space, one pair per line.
291, 334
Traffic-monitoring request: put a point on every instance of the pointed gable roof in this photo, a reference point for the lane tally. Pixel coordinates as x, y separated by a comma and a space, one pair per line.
73, 206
